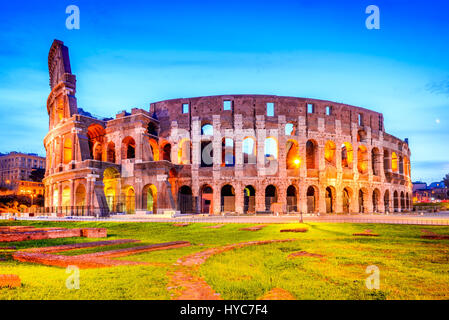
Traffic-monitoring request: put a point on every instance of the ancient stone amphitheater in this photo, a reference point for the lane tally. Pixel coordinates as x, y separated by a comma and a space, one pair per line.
240, 154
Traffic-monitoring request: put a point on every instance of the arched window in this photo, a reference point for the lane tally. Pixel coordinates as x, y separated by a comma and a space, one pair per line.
67, 150
128, 148
227, 152
346, 155
207, 130
311, 154
249, 150
362, 159
329, 152
394, 162
166, 152
375, 161
111, 152
185, 152
292, 160
290, 129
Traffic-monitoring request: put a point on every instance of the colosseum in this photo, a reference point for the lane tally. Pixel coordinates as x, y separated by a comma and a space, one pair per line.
228, 154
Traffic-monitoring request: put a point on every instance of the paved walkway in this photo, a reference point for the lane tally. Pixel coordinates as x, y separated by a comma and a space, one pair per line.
441, 218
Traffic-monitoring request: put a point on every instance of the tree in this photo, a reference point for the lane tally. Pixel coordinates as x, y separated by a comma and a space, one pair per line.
37, 174
446, 180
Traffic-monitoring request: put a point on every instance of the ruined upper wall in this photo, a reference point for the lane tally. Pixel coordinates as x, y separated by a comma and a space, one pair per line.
250, 106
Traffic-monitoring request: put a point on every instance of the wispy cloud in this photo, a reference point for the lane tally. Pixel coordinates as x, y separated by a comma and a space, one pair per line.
439, 87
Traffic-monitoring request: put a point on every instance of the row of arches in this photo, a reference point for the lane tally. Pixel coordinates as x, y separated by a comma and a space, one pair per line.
351, 201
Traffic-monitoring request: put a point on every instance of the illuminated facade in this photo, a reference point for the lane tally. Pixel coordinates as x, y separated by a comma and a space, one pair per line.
220, 154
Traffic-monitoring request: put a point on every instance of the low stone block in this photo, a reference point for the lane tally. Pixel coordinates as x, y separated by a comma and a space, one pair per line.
94, 232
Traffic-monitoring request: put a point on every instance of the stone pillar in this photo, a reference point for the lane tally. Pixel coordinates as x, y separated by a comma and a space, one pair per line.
260, 144
239, 198
260, 197
216, 199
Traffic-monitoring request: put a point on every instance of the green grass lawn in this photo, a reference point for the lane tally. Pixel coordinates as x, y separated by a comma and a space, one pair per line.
410, 267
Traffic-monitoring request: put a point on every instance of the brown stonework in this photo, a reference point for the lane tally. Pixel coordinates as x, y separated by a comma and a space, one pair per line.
91, 260
254, 228
295, 230
24, 233
304, 254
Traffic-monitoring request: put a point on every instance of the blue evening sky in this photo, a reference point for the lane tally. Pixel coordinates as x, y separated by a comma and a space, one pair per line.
130, 53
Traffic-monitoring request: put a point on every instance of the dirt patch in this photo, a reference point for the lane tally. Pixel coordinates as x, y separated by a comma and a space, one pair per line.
254, 228
305, 254
295, 230
214, 227
366, 233
91, 260
434, 236
186, 286
180, 224
277, 294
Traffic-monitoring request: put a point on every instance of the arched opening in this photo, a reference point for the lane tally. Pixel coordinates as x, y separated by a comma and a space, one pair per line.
80, 196
227, 198
376, 199
375, 161
249, 199
311, 154
227, 152
207, 154
128, 148
130, 200
396, 201
55, 198
249, 150
362, 205
402, 201
407, 202
166, 152
154, 147
292, 200
290, 129
387, 201
65, 201
394, 162
80, 200
346, 155
401, 165
387, 162
68, 150
330, 200
347, 194
207, 130
97, 151
292, 160
206, 199
111, 152
152, 129
271, 152
149, 194
95, 134
270, 197
362, 159
329, 152
111, 178
185, 152
312, 199
185, 200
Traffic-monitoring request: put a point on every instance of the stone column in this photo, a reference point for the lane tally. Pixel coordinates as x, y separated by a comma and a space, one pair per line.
239, 198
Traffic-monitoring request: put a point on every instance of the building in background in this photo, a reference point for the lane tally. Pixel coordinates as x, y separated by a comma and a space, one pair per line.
19, 173
434, 192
